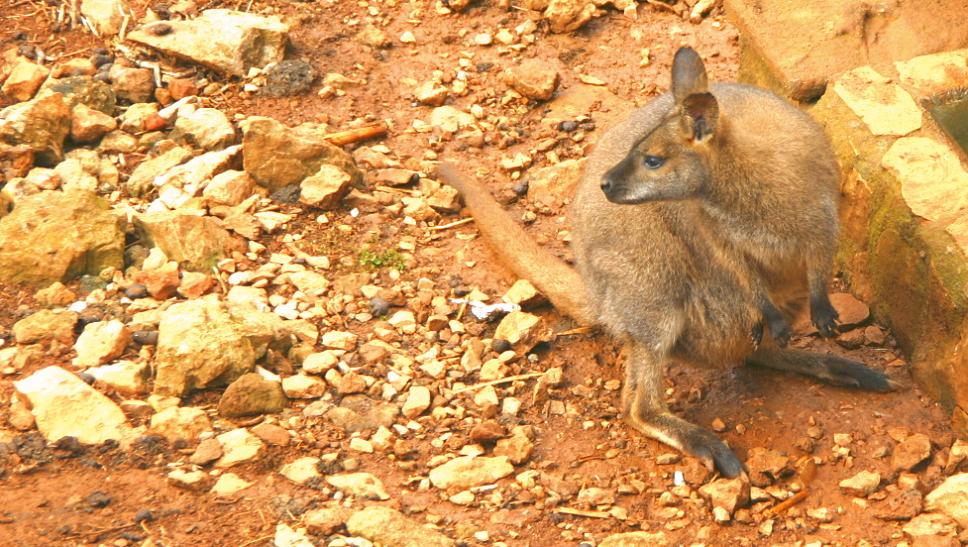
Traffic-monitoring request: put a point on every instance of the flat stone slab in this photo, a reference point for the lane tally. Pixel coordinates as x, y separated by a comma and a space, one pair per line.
228, 41
904, 237
794, 47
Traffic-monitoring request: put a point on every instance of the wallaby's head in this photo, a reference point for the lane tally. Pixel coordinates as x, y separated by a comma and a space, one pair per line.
670, 162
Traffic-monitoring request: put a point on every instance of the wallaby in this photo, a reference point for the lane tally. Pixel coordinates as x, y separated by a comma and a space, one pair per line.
705, 214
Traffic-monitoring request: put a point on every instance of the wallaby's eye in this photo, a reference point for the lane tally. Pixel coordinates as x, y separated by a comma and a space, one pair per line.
653, 162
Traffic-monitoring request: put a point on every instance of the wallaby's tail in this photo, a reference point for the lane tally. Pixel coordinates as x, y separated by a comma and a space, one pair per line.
556, 280
831, 369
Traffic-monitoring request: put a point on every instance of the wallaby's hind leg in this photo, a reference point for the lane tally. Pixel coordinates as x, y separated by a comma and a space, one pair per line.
645, 409
830, 369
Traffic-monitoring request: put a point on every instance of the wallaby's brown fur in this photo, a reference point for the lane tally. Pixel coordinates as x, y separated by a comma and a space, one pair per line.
697, 219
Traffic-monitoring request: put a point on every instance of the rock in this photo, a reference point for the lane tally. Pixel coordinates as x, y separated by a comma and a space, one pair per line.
89, 125
551, 186
517, 448
55, 294
899, 505
72, 234
524, 294
180, 184
466, 472
124, 376
449, 119
325, 188
101, 342
252, 395
864, 483
956, 456
201, 344
106, 15
185, 423
286, 536
135, 85
930, 524
363, 485
84, 90
195, 242
141, 117
319, 363
852, 312
533, 78
142, 179
910, 452
568, 15
24, 80
418, 400
206, 452
591, 496
302, 386
191, 480
951, 498
238, 446
359, 412
230, 187
161, 283
302, 470
15, 161
386, 526
288, 78
373, 37
228, 41
430, 93
207, 128
635, 539
228, 485
885, 107
46, 325
277, 156
41, 123
766, 466
522, 330
272, 434
194, 285
340, 340
326, 520
64, 406
728, 494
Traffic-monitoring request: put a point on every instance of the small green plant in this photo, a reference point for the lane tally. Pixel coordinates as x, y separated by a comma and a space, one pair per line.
383, 259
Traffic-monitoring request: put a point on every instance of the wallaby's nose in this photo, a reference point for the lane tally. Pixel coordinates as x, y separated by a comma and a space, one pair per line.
606, 184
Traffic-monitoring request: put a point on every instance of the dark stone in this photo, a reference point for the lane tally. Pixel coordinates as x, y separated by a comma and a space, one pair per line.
286, 194
291, 77
98, 499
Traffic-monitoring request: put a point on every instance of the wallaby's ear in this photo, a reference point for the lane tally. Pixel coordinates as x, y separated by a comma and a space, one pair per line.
699, 116
688, 74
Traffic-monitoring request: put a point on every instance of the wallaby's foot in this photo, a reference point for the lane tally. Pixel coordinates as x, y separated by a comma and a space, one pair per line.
829, 369
823, 315
691, 439
756, 335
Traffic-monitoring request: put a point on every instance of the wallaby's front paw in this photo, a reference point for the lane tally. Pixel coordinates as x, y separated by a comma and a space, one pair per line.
824, 317
780, 330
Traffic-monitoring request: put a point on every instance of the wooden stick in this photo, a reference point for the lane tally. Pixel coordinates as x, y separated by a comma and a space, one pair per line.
454, 224
787, 503
581, 513
357, 134
507, 380
576, 330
